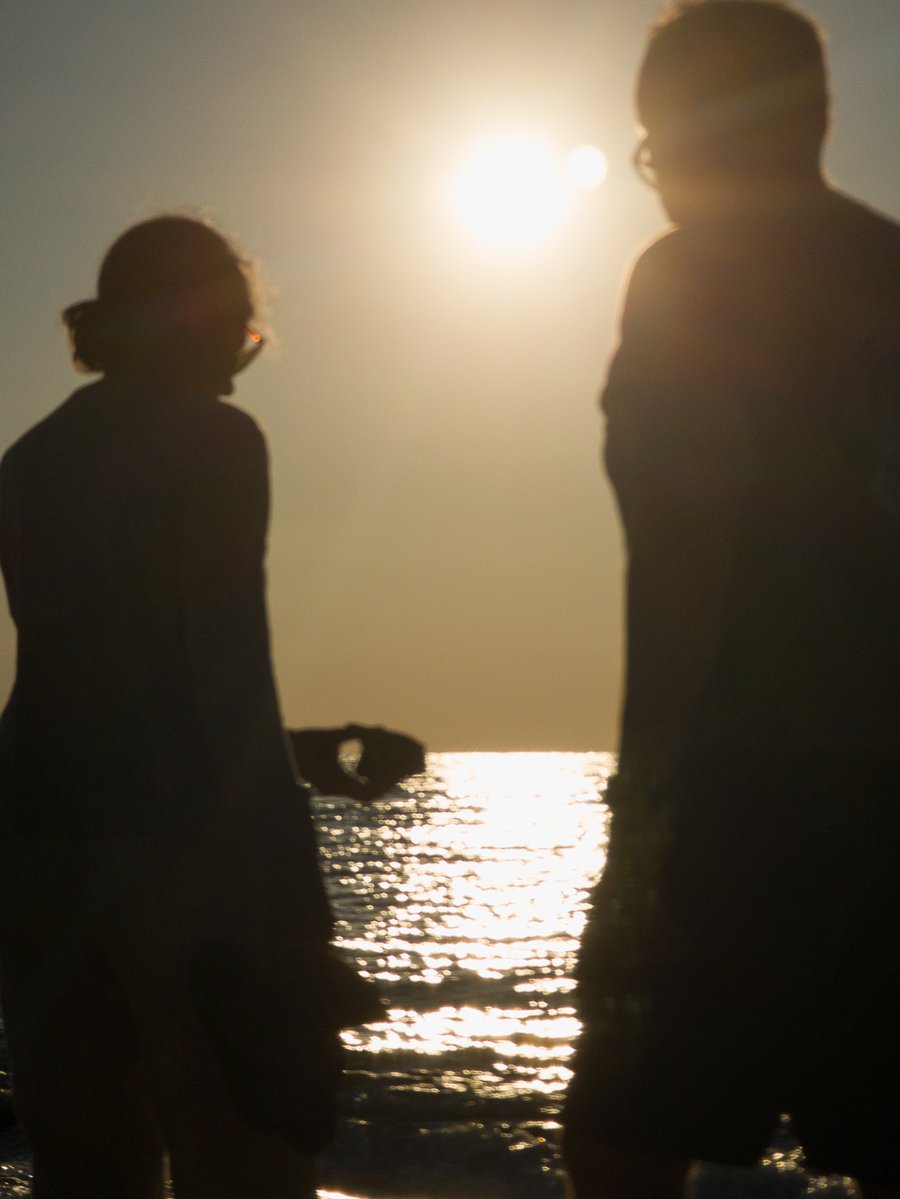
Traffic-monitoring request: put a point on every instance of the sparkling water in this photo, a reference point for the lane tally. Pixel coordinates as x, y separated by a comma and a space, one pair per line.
463, 895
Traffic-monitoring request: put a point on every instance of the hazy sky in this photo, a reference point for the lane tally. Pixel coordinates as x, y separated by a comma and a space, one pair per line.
444, 554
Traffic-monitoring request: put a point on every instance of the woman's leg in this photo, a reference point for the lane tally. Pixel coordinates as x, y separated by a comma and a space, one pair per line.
169, 898
81, 1094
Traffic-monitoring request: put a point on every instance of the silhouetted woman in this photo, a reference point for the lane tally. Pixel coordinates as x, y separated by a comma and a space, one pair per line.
143, 760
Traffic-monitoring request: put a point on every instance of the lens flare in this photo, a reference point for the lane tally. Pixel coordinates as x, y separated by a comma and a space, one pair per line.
586, 167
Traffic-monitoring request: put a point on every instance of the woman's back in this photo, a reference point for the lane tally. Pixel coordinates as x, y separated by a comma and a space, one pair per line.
106, 734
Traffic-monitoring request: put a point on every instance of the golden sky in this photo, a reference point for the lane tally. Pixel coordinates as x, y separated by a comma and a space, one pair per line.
444, 554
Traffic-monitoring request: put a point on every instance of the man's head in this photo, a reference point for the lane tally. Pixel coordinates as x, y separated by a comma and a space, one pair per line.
733, 95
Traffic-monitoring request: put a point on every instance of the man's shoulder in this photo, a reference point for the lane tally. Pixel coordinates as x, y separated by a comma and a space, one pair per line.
866, 219
670, 281
673, 262
830, 241
867, 244
671, 252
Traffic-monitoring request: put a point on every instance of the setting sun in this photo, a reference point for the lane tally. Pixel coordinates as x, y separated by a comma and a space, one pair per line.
513, 192
510, 192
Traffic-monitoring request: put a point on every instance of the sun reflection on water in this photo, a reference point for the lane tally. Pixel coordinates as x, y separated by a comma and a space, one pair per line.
464, 899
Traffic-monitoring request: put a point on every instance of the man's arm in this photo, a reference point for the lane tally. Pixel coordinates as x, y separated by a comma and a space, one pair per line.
673, 444
8, 534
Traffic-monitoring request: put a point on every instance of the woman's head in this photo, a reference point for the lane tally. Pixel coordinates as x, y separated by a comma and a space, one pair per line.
174, 300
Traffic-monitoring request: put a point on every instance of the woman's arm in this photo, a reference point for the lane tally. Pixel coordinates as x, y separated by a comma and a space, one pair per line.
228, 646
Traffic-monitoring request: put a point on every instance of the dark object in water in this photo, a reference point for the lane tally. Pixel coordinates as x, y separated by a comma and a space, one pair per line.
386, 758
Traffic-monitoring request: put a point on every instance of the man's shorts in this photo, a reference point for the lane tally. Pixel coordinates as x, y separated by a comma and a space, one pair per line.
699, 1035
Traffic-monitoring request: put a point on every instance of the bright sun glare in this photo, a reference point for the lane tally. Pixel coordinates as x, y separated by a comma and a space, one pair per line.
513, 192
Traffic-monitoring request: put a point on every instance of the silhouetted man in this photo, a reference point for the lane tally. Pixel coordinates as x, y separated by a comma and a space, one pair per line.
740, 957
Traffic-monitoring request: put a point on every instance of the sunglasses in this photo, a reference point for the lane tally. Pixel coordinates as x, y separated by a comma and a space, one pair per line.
253, 343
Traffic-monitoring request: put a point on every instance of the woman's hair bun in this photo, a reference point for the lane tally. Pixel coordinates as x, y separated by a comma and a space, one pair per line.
87, 324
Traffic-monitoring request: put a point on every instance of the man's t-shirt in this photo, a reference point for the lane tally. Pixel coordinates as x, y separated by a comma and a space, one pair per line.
753, 441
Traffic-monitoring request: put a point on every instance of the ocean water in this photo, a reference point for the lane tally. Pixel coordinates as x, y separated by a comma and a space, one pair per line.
463, 894
464, 898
